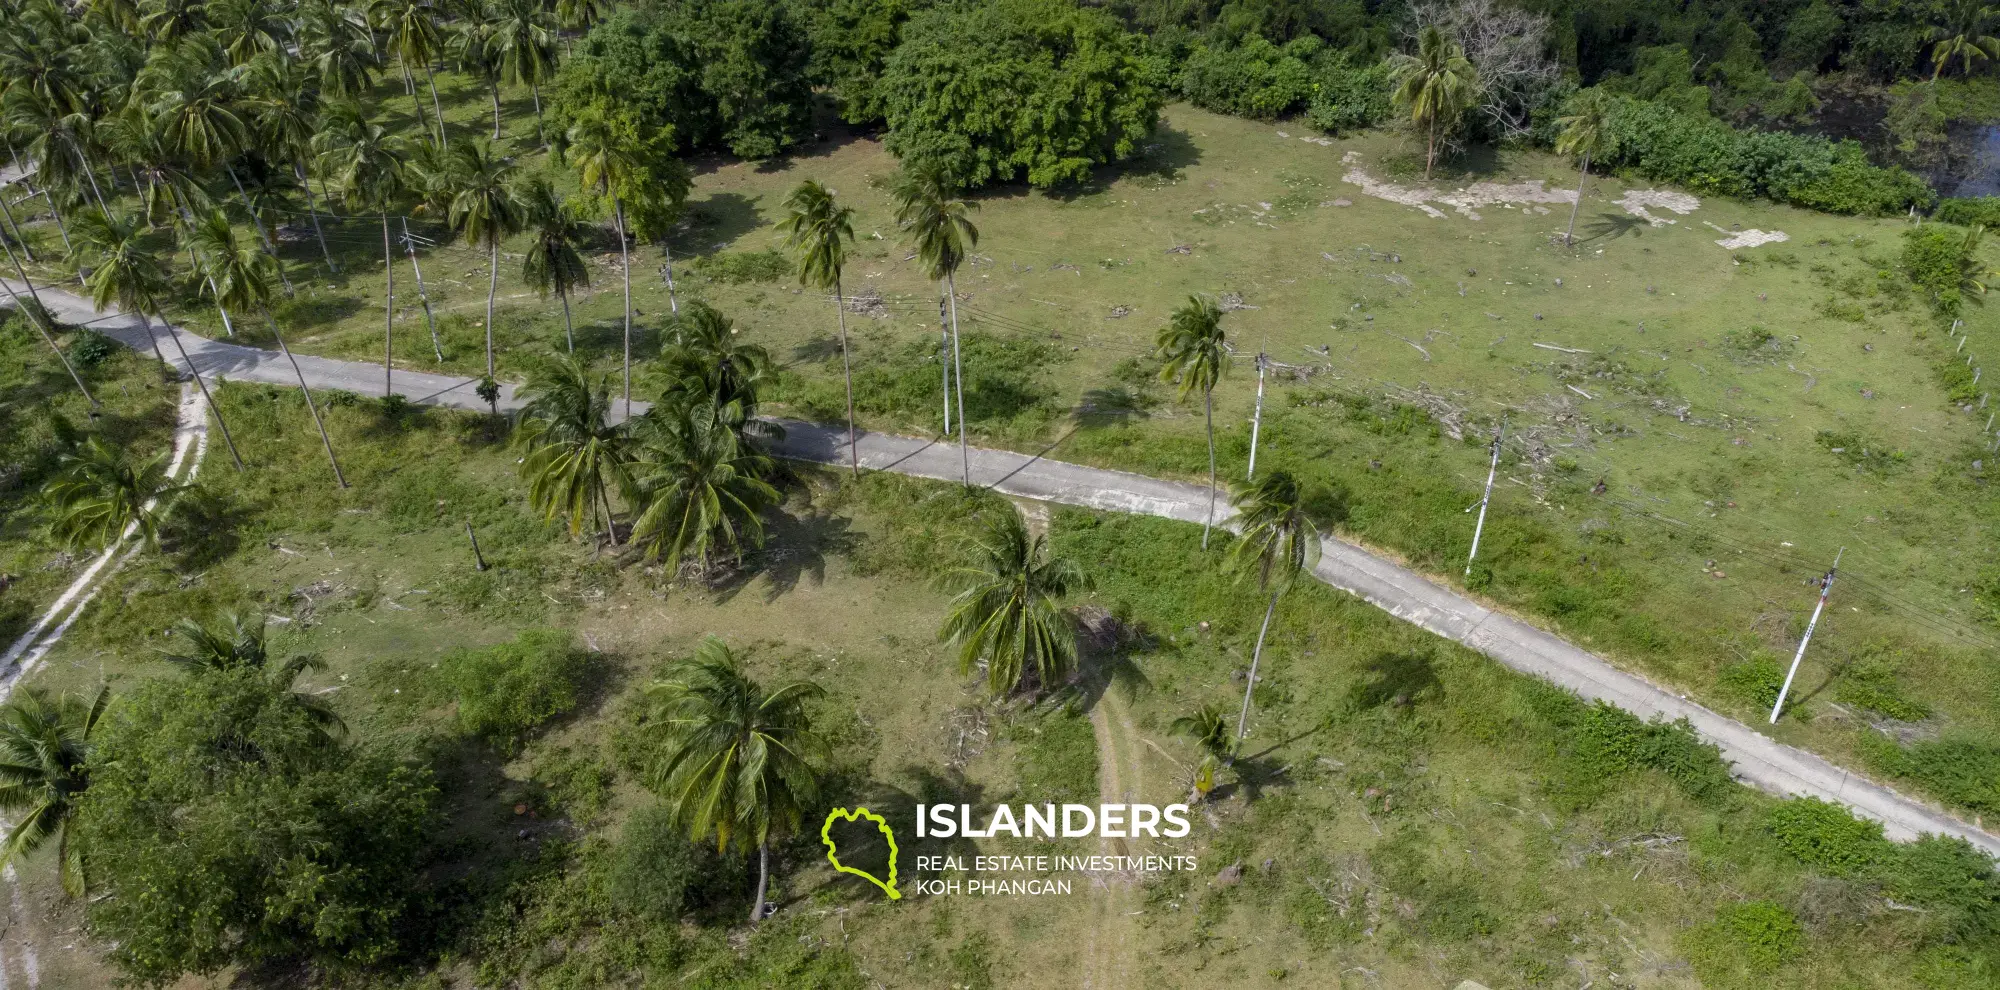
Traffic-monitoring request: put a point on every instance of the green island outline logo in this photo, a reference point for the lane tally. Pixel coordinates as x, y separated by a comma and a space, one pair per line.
833, 852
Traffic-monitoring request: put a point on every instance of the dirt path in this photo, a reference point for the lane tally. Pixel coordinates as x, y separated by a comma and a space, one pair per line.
1111, 956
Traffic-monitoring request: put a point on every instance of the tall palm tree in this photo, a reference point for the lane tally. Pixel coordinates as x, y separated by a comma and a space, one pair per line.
365, 164
734, 762
101, 493
125, 273
485, 207
698, 489
553, 262
240, 279
410, 28
819, 229
936, 220
521, 41
36, 316
236, 642
44, 769
581, 15
286, 111
249, 28
1007, 614
1434, 87
574, 456
1195, 351
606, 156
337, 47
1585, 132
1965, 35
170, 20
707, 360
58, 139
1279, 542
471, 50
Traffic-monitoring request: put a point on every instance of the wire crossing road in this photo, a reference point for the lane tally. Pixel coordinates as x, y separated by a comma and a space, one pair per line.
1757, 759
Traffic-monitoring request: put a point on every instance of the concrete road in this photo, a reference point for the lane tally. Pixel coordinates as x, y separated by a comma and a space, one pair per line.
1757, 759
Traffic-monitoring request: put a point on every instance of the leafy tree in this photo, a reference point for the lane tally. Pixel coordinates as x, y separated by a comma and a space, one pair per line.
226, 830
1965, 35
820, 229
851, 44
983, 93
734, 762
1435, 87
1280, 541
102, 491
125, 272
698, 488
1349, 95
574, 457
1194, 351
364, 164
1585, 132
486, 208
44, 770
240, 278
553, 262
1006, 613
1252, 78
938, 224
236, 642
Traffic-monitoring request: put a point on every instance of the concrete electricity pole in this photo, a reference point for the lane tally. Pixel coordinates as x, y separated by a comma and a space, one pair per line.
1491, 470
1825, 586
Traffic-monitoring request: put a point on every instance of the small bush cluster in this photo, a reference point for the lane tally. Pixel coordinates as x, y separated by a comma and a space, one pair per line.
504, 692
740, 267
1954, 884
1969, 211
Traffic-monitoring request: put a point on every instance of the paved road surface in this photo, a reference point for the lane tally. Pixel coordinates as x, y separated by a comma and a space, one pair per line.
1757, 759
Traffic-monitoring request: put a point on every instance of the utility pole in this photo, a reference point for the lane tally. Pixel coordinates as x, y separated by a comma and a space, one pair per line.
1256, 418
1825, 586
1491, 470
410, 242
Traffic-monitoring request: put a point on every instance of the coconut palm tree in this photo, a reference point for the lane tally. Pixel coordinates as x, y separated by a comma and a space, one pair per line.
581, 15
1965, 35
249, 28
606, 156
1006, 614
101, 493
37, 316
1434, 87
124, 272
167, 21
337, 47
706, 360
411, 29
240, 278
58, 139
1585, 132
521, 41
574, 456
44, 769
734, 762
470, 49
364, 163
1195, 351
698, 489
236, 642
553, 262
819, 229
1210, 731
486, 208
936, 220
286, 112
1280, 541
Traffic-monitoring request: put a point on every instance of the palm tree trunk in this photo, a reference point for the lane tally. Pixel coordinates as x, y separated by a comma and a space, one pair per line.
763, 879
84, 162
430, 77
1430, 149
423, 296
958, 373
270, 248
496, 111
147, 322
492, 289
673, 300
61, 228
388, 311
324, 440
610, 520
60, 356
1569, 236
1250, 683
18, 270
8, 212
625, 260
410, 88
305, 182
536, 90
569, 328
847, 372
1208, 412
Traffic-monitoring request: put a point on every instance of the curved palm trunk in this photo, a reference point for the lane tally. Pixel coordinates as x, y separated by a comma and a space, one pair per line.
270, 247
1250, 684
1430, 148
324, 440
15, 225
430, 79
388, 311
625, 261
610, 521
763, 879
492, 289
410, 89
569, 327
958, 373
305, 183
147, 322
1208, 412
83, 162
429, 320
496, 111
847, 372
1569, 236
60, 356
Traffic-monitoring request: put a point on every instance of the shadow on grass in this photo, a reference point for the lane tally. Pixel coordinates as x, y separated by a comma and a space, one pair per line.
714, 223
1611, 226
1397, 679
796, 549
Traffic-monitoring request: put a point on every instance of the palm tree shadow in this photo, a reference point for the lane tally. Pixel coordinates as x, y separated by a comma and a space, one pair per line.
1106, 660
861, 843
1395, 679
1113, 405
797, 548
1611, 226
819, 348
203, 530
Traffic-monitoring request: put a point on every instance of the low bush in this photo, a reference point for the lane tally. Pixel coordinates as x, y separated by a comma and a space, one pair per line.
1251, 78
1745, 942
88, 348
1970, 210
1753, 682
1827, 836
1348, 97
507, 691
740, 267
1961, 772
656, 873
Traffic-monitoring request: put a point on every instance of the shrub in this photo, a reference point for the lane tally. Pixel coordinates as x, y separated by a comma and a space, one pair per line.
1750, 938
1827, 836
88, 348
738, 267
1969, 211
1252, 78
1754, 681
505, 692
656, 873
1951, 879
1612, 740
1870, 682
1961, 772
1347, 97
1939, 259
